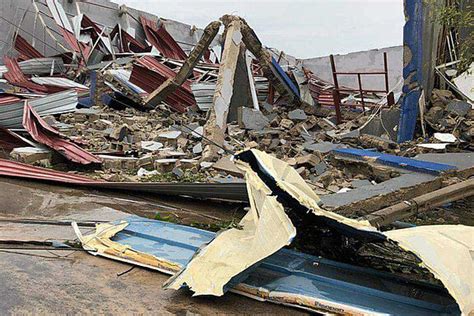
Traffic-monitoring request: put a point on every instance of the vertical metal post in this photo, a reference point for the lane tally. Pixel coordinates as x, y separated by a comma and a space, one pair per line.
271, 94
336, 96
361, 92
385, 66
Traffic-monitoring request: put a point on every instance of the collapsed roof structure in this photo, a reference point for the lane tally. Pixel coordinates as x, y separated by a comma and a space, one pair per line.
136, 103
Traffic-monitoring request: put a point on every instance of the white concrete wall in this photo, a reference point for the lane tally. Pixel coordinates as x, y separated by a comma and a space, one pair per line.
371, 60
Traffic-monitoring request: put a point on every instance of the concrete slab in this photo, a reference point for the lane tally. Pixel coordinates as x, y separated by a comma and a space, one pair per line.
338, 200
462, 161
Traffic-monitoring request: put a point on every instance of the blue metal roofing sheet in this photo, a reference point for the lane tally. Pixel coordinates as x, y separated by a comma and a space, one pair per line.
322, 283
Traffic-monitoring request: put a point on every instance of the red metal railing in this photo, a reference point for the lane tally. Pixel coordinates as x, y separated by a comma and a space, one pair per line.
337, 90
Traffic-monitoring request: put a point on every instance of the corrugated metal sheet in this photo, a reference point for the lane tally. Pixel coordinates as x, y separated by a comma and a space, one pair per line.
128, 43
39, 66
9, 140
45, 134
123, 76
11, 116
288, 277
162, 40
82, 49
223, 191
204, 92
60, 82
25, 48
149, 74
15, 76
20, 170
8, 99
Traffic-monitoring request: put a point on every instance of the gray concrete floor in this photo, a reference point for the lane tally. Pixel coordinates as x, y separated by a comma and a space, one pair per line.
76, 282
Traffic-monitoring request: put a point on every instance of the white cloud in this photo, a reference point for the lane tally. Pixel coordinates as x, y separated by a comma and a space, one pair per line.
303, 28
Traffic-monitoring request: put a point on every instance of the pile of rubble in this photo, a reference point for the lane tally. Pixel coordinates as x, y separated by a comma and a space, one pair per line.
132, 109
153, 113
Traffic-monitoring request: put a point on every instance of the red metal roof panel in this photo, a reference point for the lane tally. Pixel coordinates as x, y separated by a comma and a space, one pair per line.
162, 40
45, 134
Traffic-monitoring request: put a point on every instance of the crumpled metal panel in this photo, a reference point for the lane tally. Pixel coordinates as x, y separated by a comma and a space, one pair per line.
128, 43
287, 277
9, 140
60, 82
11, 115
41, 132
162, 40
39, 66
223, 191
20, 170
15, 76
236, 250
25, 48
149, 74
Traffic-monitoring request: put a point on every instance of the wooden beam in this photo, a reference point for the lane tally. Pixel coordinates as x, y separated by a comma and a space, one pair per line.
423, 202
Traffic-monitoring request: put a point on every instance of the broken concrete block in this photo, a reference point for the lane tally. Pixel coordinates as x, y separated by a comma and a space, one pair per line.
228, 166
251, 144
169, 134
182, 142
31, 155
320, 168
145, 161
252, 119
308, 161
151, 145
165, 165
142, 172
169, 137
118, 162
286, 123
434, 114
460, 108
178, 172
197, 132
205, 164
267, 106
297, 115
187, 163
322, 147
358, 183
197, 149
119, 133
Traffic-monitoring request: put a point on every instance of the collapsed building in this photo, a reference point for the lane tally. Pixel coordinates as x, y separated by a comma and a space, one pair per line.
103, 96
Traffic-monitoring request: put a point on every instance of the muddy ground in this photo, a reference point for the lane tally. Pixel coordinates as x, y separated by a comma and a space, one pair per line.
76, 282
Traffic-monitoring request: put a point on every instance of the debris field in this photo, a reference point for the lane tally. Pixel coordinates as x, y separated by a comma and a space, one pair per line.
342, 198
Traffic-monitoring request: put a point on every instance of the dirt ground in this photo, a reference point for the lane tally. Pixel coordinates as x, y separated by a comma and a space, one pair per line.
62, 282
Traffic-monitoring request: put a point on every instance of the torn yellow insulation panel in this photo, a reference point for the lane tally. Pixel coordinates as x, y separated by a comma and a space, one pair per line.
448, 252
100, 243
265, 229
291, 182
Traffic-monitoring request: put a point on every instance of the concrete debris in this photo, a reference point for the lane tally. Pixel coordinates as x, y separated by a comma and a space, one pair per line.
298, 115
153, 108
32, 155
252, 119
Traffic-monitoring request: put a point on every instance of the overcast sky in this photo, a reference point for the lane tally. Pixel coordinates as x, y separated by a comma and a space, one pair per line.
302, 28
